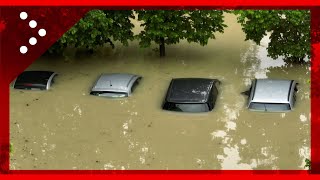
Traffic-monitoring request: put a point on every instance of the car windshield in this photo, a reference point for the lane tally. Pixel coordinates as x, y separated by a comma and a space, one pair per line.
110, 94
270, 107
189, 107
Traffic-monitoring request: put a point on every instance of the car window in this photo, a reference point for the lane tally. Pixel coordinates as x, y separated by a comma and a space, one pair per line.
188, 107
109, 94
135, 84
249, 93
212, 98
258, 106
270, 107
277, 107
114, 95
294, 98
214, 91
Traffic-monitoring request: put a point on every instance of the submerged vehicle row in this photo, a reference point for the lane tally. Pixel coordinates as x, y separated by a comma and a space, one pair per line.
183, 94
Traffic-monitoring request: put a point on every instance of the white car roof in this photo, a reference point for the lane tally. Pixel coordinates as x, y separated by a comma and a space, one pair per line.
271, 91
115, 82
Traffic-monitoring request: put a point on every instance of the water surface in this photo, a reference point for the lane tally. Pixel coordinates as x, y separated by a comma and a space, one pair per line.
66, 128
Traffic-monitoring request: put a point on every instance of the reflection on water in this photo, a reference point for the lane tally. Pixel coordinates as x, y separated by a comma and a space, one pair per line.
66, 128
262, 64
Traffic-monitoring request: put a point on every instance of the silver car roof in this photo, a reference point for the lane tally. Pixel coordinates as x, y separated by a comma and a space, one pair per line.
115, 82
271, 91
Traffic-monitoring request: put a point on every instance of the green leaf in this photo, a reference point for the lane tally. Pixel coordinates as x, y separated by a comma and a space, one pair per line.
175, 25
95, 28
289, 29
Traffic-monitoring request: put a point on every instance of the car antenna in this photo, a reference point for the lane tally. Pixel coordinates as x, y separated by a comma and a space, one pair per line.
110, 83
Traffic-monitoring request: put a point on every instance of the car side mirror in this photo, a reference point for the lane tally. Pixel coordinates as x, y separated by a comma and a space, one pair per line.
296, 87
247, 93
216, 81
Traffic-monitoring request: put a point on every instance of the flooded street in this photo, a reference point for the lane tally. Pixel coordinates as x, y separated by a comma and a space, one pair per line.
66, 128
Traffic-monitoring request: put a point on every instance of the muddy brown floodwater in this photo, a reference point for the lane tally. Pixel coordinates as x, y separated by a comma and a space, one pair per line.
66, 128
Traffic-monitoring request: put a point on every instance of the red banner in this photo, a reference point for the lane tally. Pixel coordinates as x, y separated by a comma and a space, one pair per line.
260, 3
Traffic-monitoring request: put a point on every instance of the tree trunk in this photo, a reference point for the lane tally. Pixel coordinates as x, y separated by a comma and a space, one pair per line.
298, 60
162, 47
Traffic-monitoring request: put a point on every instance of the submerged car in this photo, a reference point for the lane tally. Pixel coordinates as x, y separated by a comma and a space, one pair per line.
272, 95
115, 85
34, 80
191, 95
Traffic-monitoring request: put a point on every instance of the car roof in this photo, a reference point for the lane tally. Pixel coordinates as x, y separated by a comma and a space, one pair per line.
271, 91
115, 82
41, 79
189, 90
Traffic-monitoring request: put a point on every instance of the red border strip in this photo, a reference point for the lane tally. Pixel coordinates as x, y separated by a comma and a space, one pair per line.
160, 3
315, 133
315, 85
167, 172
153, 176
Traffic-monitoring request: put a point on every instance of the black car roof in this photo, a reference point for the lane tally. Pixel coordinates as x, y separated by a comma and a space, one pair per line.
34, 78
189, 90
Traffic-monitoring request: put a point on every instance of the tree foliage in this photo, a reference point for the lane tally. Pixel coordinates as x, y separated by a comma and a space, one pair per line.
170, 26
121, 29
95, 29
289, 29
308, 164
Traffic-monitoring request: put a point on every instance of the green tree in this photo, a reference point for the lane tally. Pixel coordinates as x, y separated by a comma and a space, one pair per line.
308, 164
170, 26
95, 29
289, 29
121, 29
